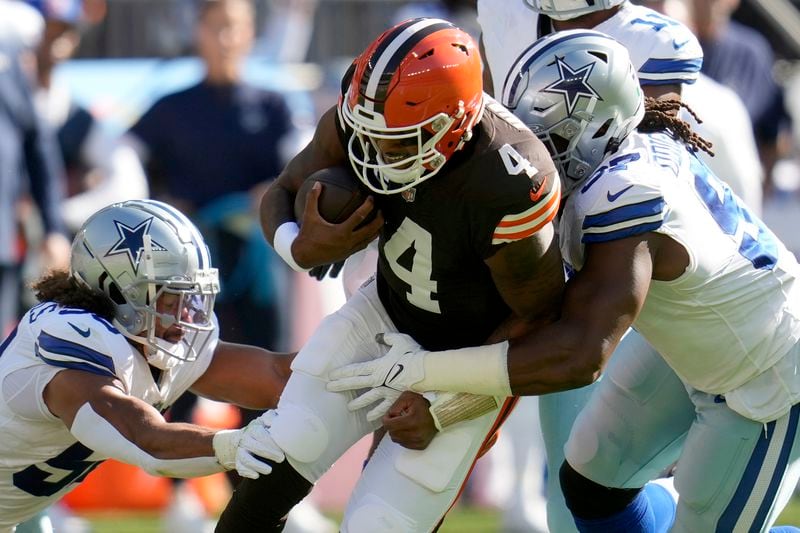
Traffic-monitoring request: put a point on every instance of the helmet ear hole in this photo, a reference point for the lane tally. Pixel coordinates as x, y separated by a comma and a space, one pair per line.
602, 130
115, 294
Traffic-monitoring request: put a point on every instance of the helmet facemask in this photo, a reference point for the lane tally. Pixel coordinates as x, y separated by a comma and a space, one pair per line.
163, 294
389, 177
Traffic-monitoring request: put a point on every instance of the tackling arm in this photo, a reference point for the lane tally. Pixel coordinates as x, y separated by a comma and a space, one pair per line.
529, 275
600, 303
245, 375
104, 418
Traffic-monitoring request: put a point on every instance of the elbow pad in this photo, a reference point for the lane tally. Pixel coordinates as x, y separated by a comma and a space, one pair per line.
97, 433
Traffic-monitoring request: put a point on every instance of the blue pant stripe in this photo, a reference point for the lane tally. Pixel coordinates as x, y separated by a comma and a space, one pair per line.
731, 514
780, 469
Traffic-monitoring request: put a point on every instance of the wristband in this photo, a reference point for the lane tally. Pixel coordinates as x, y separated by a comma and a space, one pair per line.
450, 408
481, 370
282, 243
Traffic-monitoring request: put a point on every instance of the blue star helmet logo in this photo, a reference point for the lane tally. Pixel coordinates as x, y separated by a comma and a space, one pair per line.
572, 84
131, 242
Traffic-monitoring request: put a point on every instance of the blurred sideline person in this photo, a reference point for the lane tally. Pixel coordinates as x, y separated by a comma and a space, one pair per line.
113, 342
99, 169
653, 240
739, 57
211, 149
725, 123
415, 126
668, 58
29, 163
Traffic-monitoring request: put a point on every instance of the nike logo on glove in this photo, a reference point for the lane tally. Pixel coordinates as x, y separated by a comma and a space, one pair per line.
613, 197
399, 368
83, 333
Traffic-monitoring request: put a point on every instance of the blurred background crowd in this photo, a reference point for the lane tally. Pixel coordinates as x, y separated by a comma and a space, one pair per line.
201, 103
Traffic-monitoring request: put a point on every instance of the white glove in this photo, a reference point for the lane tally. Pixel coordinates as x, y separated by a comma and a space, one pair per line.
385, 395
247, 449
399, 369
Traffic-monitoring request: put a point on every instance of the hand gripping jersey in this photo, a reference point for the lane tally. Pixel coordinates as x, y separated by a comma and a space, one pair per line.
662, 49
725, 324
432, 278
40, 460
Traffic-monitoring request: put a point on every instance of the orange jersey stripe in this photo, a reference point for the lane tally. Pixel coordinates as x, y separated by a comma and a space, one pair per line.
530, 224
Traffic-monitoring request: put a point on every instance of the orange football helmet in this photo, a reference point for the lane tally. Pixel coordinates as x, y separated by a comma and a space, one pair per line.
419, 82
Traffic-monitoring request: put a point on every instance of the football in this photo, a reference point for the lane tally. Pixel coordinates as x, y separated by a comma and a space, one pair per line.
342, 193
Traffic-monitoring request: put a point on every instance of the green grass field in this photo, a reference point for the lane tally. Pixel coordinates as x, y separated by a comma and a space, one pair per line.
461, 520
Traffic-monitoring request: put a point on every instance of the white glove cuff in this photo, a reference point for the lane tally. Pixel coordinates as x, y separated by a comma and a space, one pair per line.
477, 370
282, 243
225, 444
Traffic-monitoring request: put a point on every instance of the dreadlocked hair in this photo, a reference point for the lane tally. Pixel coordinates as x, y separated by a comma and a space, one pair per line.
661, 114
60, 287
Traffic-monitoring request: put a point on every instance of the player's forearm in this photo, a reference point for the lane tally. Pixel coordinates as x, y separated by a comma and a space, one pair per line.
192, 453
276, 208
245, 375
146, 428
554, 359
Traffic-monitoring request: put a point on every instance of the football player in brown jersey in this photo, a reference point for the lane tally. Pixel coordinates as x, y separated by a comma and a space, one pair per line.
466, 195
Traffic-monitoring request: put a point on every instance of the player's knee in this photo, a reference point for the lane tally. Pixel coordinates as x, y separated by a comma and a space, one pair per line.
300, 433
587, 499
374, 515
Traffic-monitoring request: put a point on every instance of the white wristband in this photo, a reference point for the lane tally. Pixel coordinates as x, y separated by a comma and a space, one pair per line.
282, 243
477, 370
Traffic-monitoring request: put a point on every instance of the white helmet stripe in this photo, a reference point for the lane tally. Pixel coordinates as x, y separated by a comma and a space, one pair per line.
178, 220
386, 57
527, 58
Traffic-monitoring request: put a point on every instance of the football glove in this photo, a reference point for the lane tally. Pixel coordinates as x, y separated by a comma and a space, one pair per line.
399, 369
246, 450
331, 270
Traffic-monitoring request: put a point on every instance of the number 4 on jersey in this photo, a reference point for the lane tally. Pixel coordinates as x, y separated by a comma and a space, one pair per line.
516, 164
411, 235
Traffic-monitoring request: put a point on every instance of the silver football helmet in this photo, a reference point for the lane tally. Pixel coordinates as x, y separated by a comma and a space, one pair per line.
578, 92
569, 9
152, 262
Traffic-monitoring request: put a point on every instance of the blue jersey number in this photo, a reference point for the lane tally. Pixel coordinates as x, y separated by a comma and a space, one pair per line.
758, 244
655, 21
46, 479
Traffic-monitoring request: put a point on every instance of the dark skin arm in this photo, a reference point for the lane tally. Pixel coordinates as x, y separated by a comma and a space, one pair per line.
600, 304
136, 420
319, 242
244, 375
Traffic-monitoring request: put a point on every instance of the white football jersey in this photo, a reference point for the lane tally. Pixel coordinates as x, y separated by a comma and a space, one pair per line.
735, 312
40, 460
662, 49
